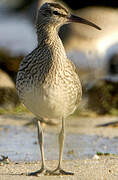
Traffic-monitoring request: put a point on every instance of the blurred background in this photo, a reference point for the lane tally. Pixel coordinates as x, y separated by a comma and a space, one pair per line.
95, 53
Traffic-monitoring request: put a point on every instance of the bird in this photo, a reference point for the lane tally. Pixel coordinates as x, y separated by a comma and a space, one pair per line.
47, 81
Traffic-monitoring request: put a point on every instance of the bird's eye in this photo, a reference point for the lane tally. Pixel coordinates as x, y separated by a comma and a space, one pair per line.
56, 13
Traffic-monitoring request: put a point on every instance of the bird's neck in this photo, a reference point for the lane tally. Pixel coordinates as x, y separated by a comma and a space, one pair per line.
49, 39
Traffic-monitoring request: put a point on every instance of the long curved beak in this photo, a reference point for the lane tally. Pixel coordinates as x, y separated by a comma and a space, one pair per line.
76, 19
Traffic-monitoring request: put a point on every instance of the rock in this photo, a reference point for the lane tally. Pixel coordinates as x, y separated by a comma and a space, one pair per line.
8, 94
96, 157
5, 80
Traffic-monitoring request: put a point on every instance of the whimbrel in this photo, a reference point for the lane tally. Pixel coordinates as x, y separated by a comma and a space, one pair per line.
47, 82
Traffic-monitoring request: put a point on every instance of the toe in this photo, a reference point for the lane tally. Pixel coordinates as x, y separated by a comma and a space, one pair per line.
36, 173
61, 172
65, 172
42, 171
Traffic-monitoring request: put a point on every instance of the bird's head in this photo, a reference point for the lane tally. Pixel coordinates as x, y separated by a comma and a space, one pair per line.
57, 15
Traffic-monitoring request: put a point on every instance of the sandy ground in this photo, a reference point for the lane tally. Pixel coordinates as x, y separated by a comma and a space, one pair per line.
104, 168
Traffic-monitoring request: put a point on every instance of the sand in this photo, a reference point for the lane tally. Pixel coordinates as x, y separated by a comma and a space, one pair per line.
95, 168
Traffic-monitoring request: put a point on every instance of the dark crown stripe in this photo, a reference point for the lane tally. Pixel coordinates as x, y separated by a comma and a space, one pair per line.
58, 6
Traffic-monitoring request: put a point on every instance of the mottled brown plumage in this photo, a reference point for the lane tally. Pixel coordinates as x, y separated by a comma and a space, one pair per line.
47, 82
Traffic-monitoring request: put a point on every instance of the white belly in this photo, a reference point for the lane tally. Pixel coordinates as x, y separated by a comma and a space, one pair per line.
51, 103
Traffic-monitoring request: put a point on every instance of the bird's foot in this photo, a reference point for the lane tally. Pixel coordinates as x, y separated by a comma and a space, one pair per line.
43, 171
60, 171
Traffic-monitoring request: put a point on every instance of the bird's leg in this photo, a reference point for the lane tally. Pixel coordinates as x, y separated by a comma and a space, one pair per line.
41, 144
61, 137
